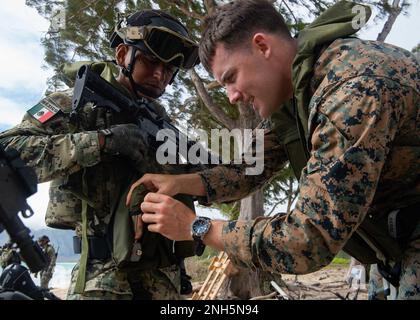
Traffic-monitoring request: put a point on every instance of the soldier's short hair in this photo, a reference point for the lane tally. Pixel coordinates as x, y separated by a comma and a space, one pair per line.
233, 24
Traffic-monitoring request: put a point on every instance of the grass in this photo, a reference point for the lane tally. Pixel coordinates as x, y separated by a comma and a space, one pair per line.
341, 261
198, 267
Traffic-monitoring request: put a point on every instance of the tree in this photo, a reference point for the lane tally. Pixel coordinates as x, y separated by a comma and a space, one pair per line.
393, 11
416, 51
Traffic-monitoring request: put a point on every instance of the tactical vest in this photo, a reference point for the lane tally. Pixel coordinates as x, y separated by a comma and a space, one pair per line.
114, 224
371, 242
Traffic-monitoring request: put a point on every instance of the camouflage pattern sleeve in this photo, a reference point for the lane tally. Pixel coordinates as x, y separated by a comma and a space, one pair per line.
226, 183
352, 128
48, 146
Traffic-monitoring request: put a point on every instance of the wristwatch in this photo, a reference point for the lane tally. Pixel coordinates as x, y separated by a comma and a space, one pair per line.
199, 228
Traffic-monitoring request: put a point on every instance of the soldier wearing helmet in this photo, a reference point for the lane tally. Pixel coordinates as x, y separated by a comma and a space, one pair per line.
47, 273
90, 171
9, 255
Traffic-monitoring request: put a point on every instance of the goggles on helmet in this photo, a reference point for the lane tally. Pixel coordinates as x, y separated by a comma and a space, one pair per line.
165, 44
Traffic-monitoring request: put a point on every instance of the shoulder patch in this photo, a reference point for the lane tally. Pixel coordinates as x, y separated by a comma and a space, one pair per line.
44, 110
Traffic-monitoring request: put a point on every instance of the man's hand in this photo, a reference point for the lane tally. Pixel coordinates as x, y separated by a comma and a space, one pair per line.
158, 183
125, 140
167, 216
171, 185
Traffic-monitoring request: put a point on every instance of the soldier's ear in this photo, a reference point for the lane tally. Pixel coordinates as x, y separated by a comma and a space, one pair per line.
121, 55
262, 44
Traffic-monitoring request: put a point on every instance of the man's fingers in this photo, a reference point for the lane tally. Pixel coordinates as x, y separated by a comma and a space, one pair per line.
153, 228
149, 185
130, 193
147, 181
149, 218
145, 178
149, 207
155, 197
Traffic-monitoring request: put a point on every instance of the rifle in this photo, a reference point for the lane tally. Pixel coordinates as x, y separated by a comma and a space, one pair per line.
90, 87
18, 182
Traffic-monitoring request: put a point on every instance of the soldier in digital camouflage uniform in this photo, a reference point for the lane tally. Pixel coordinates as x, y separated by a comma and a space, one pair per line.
47, 273
89, 167
355, 148
9, 255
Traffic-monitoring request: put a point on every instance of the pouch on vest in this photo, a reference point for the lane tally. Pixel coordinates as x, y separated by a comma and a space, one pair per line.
64, 207
156, 250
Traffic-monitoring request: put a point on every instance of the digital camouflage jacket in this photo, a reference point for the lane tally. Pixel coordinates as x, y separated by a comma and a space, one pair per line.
364, 135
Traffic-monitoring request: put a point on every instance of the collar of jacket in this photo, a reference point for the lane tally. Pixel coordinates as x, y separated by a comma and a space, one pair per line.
341, 20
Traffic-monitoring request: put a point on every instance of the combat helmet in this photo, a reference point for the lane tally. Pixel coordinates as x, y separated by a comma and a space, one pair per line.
157, 33
44, 238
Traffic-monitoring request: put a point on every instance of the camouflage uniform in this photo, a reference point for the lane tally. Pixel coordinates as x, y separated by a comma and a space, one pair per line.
47, 273
9, 256
4, 257
364, 131
61, 155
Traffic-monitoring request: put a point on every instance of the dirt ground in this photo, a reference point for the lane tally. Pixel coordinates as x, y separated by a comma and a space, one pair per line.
326, 284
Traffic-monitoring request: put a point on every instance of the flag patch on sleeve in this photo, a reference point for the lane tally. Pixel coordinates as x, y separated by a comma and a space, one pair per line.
43, 111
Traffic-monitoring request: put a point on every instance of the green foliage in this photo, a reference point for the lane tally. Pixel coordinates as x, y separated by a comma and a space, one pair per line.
341, 261
208, 253
342, 254
230, 210
198, 267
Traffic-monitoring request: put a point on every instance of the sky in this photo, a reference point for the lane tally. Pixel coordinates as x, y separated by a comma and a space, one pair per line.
23, 78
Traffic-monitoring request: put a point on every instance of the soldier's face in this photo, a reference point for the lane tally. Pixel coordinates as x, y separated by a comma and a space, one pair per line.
149, 72
250, 76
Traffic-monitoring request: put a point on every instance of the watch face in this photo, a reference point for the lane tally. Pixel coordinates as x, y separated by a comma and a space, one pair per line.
201, 226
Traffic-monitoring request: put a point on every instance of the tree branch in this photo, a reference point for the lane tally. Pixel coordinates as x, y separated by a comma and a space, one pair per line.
186, 10
291, 195
275, 206
393, 15
216, 111
291, 12
210, 6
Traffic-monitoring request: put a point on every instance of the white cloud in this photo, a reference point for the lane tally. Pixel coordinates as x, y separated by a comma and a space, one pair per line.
17, 17
11, 113
21, 68
22, 57
38, 203
22, 54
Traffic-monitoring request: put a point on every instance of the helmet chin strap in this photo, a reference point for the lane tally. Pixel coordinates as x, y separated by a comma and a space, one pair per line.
128, 72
